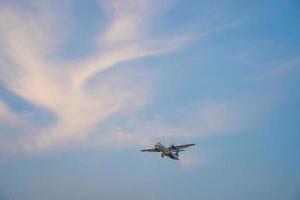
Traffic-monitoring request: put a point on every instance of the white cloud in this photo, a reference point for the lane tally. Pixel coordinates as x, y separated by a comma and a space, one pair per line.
204, 119
29, 35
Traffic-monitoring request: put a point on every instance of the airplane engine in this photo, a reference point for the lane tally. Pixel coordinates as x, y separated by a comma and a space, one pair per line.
173, 146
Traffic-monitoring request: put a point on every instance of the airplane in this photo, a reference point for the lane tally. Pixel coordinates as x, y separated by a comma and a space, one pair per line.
172, 151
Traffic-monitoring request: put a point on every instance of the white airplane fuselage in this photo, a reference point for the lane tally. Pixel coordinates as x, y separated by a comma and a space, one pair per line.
166, 151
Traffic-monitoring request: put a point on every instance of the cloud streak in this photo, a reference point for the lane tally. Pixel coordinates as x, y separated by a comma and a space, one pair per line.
27, 38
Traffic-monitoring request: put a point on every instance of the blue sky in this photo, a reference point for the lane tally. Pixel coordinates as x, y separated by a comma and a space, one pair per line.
85, 85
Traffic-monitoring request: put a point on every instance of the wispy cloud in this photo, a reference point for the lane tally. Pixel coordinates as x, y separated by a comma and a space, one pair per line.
28, 35
279, 70
204, 119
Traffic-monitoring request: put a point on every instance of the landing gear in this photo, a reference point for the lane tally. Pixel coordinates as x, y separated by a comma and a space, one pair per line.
162, 155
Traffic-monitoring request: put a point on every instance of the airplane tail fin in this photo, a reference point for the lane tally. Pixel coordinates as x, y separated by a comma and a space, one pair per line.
177, 152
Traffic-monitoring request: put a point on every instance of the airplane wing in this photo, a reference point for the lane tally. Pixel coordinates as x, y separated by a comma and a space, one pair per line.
149, 150
182, 146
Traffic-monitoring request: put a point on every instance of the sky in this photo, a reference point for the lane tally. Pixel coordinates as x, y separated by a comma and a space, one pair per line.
84, 85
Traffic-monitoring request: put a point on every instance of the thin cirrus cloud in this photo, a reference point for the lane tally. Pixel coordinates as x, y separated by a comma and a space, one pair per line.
29, 34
